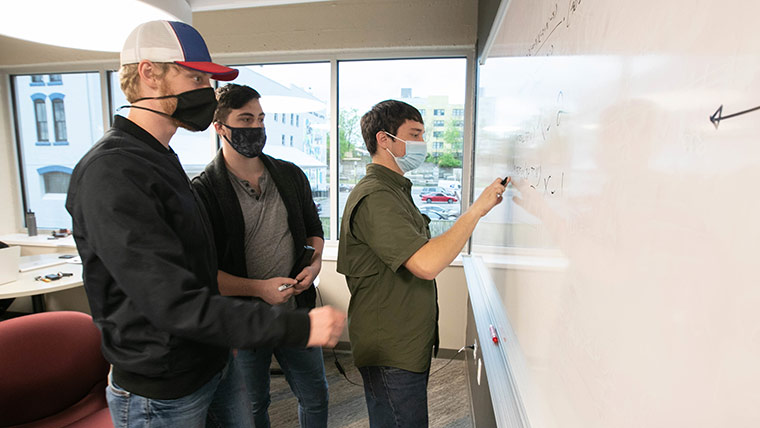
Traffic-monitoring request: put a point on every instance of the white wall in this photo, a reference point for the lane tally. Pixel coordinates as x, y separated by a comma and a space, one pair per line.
10, 198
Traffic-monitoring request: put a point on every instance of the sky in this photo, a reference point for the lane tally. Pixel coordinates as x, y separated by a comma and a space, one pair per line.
365, 83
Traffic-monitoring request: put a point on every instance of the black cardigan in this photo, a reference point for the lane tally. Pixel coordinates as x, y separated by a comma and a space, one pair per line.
223, 207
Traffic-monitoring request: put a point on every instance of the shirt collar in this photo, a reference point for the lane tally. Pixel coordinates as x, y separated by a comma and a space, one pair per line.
123, 124
389, 176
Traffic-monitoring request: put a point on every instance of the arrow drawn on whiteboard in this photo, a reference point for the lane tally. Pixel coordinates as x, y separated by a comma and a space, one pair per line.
718, 115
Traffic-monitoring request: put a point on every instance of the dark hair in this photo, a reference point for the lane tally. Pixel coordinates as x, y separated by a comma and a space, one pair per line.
387, 116
232, 96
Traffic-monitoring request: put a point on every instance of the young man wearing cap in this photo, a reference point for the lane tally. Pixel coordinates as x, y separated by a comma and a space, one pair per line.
148, 255
390, 263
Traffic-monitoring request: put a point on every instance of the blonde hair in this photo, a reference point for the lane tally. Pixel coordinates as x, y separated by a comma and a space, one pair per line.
129, 78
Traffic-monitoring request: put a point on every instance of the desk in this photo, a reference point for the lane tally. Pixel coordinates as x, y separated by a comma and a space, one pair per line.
25, 285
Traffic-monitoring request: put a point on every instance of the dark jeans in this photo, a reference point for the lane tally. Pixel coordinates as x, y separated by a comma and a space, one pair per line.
305, 372
396, 398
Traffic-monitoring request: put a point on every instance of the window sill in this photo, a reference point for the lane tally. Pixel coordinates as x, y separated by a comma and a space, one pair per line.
42, 143
43, 240
61, 143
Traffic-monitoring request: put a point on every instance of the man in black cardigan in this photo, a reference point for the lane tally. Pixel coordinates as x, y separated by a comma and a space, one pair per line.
263, 217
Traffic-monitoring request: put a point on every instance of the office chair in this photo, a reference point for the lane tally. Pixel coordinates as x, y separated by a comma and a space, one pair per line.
52, 373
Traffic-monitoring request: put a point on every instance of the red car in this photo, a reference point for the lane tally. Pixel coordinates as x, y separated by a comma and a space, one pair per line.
438, 197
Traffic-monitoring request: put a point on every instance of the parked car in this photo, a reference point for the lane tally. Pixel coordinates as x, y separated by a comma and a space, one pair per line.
429, 190
438, 197
345, 187
437, 213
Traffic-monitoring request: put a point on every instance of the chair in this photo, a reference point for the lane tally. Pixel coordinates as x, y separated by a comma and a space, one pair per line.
52, 372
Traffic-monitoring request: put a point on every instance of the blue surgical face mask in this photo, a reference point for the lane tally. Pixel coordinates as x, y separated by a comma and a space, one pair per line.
416, 152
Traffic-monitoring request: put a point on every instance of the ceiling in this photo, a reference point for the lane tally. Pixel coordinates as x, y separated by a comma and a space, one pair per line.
205, 5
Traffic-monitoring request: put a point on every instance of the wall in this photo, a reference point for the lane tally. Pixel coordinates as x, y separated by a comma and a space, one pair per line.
10, 209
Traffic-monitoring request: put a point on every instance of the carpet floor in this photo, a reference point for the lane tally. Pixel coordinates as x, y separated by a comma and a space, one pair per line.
448, 396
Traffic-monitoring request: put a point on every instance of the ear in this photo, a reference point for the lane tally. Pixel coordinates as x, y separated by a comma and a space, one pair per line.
146, 71
218, 128
383, 140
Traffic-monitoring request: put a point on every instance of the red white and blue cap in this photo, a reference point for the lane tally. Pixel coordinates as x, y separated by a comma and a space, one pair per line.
175, 42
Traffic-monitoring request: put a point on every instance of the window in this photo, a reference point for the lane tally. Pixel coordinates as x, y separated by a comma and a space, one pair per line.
36, 80
439, 112
40, 117
437, 134
457, 112
76, 112
55, 79
59, 117
437, 123
55, 179
296, 121
275, 117
436, 84
298, 90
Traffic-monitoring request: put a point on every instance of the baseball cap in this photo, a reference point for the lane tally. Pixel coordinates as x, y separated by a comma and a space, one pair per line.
172, 41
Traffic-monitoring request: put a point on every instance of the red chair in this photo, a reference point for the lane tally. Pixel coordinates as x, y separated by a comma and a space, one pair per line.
52, 373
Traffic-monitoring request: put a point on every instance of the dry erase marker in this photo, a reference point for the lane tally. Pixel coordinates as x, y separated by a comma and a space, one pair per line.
494, 336
504, 181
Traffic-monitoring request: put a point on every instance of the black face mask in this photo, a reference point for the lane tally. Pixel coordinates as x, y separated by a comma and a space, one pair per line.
249, 142
195, 109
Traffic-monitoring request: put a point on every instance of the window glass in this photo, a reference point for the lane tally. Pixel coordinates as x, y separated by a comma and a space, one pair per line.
296, 90
56, 181
40, 117
434, 87
59, 118
46, 168
194, 149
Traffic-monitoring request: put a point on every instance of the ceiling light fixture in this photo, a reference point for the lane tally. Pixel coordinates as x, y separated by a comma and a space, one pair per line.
99, 25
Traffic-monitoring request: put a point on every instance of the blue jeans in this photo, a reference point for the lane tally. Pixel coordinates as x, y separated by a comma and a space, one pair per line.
304, 370
221, 402
396, 398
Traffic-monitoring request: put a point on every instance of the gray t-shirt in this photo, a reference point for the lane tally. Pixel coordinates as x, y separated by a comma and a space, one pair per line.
268, 242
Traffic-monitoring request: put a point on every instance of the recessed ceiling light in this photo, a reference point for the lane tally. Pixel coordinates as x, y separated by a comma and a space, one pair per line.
99, 25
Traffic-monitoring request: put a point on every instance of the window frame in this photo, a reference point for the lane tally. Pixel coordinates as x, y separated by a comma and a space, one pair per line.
467, 53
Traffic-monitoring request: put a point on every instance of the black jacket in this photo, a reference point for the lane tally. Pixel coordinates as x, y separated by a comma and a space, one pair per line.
149, 267
221, 202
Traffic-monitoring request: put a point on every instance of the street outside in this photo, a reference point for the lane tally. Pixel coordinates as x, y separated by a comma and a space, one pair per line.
450, 209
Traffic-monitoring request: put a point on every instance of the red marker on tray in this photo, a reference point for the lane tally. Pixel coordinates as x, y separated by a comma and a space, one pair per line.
494, 336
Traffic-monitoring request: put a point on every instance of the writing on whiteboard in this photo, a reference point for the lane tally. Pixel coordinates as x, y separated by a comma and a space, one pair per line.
552, 23
534, 175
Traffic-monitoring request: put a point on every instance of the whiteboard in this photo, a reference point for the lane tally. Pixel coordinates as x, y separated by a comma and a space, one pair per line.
601, 111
